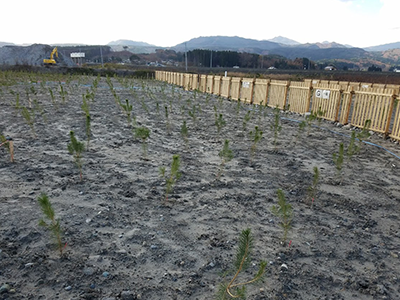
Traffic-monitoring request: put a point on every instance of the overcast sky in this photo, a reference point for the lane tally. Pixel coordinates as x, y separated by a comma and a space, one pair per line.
360, 23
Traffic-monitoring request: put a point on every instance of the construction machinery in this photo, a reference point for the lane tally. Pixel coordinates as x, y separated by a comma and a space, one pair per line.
51, 61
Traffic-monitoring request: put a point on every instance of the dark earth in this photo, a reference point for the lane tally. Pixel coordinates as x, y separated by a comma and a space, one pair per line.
124, 240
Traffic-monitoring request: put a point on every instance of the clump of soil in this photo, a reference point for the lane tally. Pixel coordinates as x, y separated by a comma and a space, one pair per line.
123, 241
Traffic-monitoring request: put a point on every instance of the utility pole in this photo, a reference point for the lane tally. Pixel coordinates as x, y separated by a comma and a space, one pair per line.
101, 55
211, 60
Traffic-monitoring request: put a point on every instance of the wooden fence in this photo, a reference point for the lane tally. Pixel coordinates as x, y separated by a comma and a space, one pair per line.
339, 101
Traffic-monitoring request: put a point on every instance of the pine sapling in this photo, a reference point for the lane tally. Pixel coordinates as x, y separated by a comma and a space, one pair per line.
173, 176
143, 133
76, 148
255, 136
364, 134
29, 117
234, 289
219, 122
226, 155
302, 126
309, 120
246, 120
276, 127
352, 149
185, 133
313, 189
127, 107
52, 224
85, 109
284, 211
338, 159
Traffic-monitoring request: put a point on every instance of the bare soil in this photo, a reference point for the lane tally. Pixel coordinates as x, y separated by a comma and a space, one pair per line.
124, 241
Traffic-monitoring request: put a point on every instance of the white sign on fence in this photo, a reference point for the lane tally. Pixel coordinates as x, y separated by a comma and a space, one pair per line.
245, 84
324, 94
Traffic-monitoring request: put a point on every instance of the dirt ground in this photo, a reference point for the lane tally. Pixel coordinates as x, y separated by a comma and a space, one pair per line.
124, 241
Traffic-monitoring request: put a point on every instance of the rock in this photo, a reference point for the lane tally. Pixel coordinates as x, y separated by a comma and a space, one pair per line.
105, 274
153, 247
284, 266
5, 288
127, 295
68, 288
88, 271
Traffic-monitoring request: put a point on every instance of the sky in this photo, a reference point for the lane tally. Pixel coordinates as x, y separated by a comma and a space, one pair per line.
359, 23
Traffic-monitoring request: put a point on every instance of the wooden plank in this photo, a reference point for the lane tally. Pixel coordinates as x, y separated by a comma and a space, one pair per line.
217, 85
346, 103
246, 91
195, 82
235, 88
326, 100
375, 105
203, 83
225, 86
299, 96
278, 94
260, 95
395, 134
210, 84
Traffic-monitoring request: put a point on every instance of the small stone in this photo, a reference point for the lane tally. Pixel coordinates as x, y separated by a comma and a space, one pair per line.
88, 271
105, 274
88, 220
284, 266
68, 288
127, 295
5, 288
212, 264
29, 265
393, 254
92, 286
153, 247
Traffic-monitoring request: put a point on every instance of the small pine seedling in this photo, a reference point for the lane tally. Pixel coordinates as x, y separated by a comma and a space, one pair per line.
76, 148
29, 118
85, 108
309, 120
353, 148
219, 122
338, 159
226, 155
127, 107
53, 225
312, 190
173, 176
256, 136
302, 126
276, 127
143, 133
284, 211
232, 290
364, 134
246, 119
184, 133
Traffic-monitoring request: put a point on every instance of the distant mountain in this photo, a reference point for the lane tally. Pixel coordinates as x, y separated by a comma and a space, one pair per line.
129, 43
384, 47
284, 41
6, 44
221, 43
132, 46
316, 54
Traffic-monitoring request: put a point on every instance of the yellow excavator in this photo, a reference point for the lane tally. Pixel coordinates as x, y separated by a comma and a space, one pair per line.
51, 61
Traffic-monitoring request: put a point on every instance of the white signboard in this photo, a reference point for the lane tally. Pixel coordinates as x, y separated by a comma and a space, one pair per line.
77, 54
246, 84
324, 94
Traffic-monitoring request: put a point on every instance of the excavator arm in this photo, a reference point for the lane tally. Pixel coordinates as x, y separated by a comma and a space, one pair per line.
51, 61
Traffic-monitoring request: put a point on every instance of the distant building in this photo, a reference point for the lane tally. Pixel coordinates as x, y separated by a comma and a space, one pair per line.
330, 68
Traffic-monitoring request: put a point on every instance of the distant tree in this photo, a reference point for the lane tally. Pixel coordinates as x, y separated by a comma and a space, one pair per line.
373, 68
